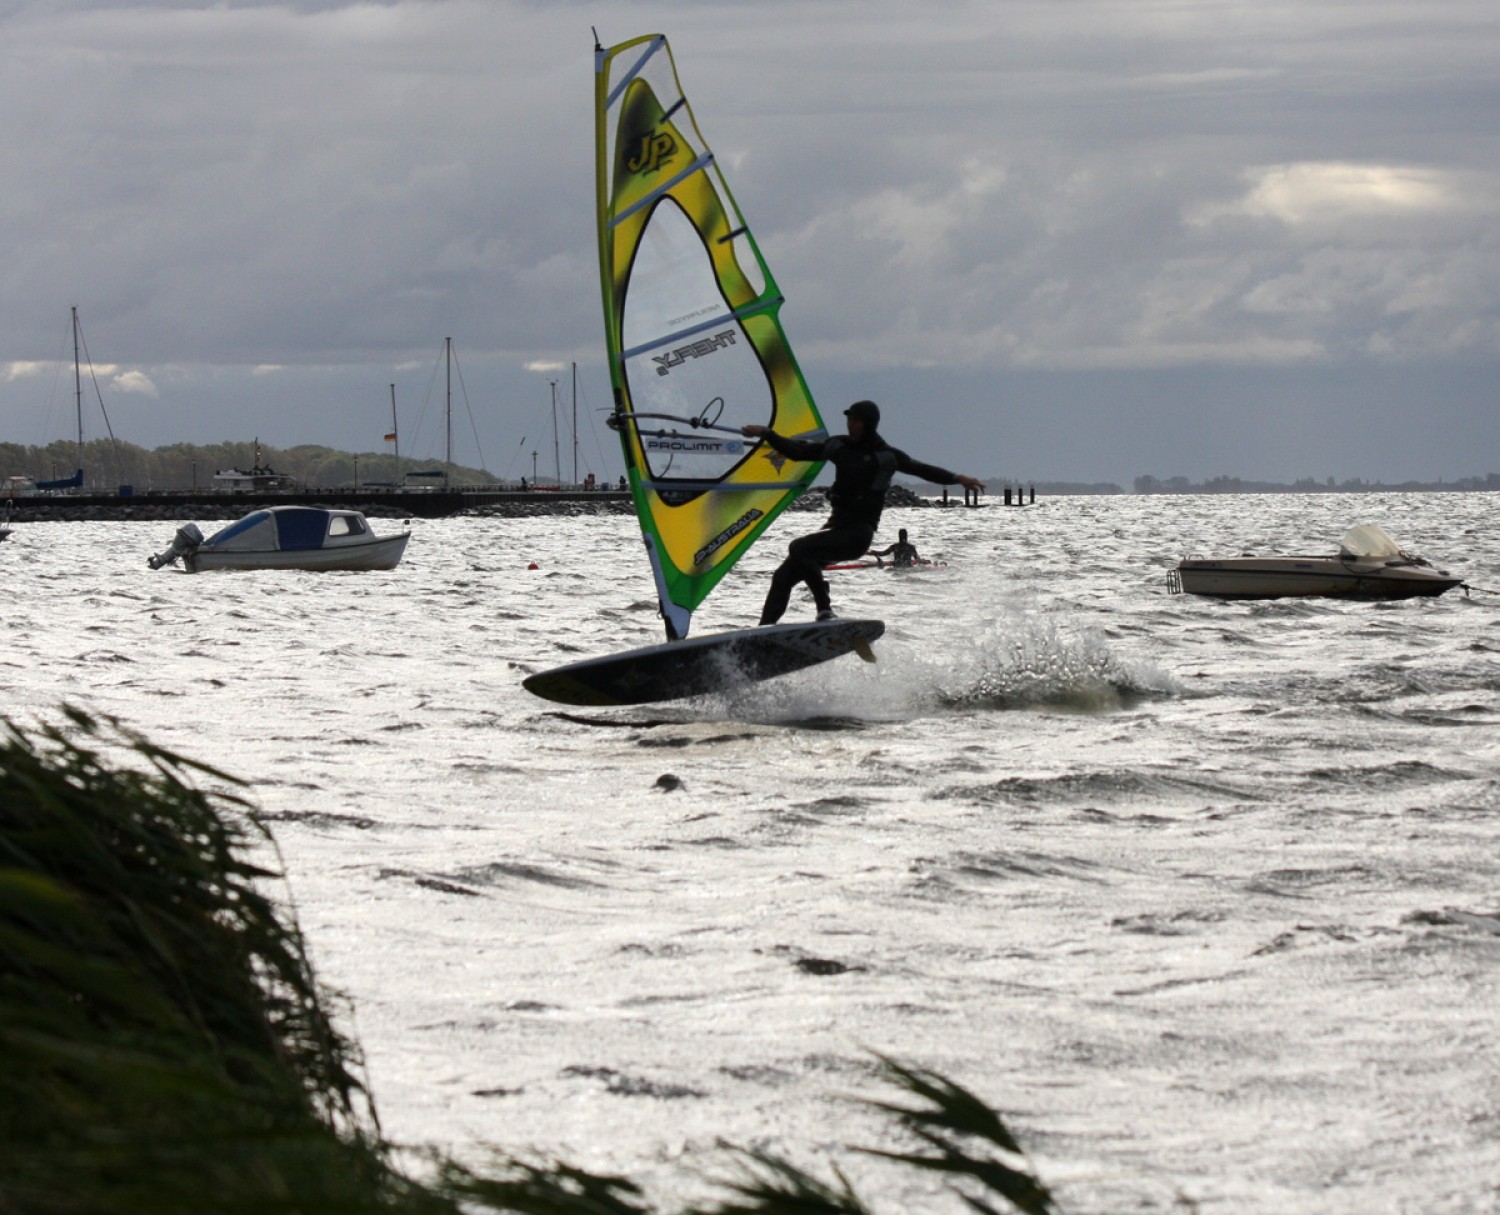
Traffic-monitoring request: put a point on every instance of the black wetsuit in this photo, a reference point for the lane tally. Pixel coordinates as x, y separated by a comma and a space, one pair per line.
862, 473
900, 554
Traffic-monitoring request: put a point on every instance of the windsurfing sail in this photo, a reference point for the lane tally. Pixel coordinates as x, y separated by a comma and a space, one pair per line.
696, 349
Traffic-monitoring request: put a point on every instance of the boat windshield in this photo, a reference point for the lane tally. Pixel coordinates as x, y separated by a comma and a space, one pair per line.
1367, 542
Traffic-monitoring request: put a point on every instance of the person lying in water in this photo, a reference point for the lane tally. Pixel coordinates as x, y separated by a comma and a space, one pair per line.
863, 465
902, 554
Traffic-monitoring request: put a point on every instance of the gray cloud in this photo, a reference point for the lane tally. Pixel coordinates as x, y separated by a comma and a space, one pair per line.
1090, 206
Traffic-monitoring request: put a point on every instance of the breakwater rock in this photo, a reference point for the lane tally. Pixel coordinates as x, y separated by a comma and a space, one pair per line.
62, 510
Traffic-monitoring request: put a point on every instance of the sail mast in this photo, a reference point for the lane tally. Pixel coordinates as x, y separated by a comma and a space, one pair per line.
556, 450
78, 394
575, 423
448, 463
395, 433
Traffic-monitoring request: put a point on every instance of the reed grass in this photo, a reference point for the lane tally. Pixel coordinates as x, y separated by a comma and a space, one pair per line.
166, 1047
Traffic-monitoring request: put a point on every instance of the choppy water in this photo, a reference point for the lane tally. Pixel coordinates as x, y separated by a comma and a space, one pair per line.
1202, 896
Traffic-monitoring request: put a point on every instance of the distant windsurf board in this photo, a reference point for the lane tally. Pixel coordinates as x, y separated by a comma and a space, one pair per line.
714, 662
921, 563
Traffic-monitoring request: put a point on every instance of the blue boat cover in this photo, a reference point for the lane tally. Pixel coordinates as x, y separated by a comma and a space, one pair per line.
300, 528
254, 519
73, 482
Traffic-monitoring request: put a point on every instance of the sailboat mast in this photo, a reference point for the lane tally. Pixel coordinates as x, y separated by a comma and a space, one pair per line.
575, 423
448, 465
395, 434
78, 394
556, 457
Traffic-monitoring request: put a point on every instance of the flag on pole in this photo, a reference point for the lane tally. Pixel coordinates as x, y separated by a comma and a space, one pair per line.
391, 438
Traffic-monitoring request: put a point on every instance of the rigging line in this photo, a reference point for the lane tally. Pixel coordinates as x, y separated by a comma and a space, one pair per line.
738, 314
656, 44
416, 441
94, 379
437, 364
541, 422
505, 476
697, 166
473, 425
44, 425
570, 425
593, 432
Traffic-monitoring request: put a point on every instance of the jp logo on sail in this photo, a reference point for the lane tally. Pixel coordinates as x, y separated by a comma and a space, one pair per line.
657, 147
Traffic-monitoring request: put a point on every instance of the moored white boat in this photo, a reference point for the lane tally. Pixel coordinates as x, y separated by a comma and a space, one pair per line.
1368, 565
287, 538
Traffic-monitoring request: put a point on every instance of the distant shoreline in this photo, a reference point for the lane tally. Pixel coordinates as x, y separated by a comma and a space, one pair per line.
1238, 485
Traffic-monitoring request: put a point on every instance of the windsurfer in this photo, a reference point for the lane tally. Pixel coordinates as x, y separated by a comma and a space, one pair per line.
863, 464
902, 554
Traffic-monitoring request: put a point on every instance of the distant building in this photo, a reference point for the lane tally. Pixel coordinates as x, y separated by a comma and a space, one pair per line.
257, 480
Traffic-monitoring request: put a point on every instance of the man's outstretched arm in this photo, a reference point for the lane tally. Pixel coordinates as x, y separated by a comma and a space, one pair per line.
796, 449
931, 472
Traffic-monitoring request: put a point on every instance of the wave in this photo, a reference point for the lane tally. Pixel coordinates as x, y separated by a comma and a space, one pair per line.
1018, 661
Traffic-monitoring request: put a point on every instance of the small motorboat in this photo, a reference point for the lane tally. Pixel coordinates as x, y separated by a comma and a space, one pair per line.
287, 538
1368, 565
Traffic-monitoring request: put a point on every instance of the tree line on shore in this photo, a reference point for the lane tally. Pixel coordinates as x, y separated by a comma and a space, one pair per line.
184, 466
1308, 485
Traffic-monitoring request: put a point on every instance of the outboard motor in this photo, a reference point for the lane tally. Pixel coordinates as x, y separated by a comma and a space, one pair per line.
188, 538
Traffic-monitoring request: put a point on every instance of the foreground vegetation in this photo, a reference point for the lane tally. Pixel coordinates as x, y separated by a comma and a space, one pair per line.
166, 1047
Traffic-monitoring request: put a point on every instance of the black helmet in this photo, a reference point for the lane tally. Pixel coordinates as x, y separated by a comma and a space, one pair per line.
866, 411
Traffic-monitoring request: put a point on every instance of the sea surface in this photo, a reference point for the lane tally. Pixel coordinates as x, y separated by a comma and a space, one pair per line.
1204, 897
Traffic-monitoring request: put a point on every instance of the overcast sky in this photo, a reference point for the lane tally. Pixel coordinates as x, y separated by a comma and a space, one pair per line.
1057, 240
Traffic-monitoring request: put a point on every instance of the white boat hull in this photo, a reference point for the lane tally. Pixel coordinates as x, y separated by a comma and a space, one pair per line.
1291, 577
376, 553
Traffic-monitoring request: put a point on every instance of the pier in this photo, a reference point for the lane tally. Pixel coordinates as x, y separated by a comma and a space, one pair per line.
375, 501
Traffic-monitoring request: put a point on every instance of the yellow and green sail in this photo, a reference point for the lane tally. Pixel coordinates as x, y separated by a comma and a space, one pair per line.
695, 347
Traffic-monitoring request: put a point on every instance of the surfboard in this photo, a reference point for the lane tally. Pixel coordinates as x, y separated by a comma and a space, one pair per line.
713, 662
921, 563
